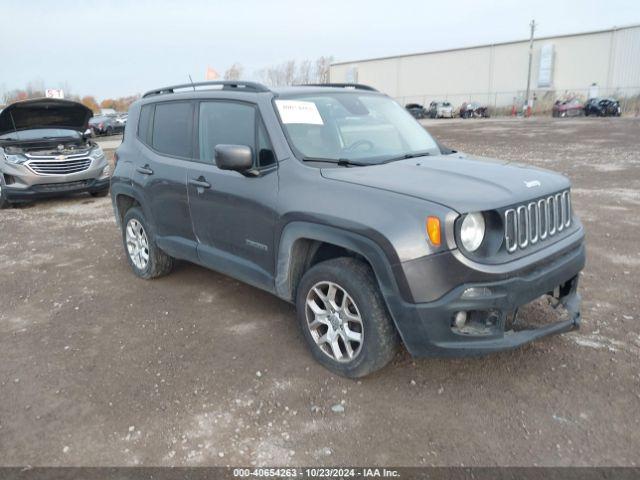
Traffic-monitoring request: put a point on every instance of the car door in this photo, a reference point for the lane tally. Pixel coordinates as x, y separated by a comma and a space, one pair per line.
166, 133
233, 214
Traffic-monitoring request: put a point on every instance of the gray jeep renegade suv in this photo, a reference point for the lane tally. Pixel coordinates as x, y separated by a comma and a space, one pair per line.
44, 152
335, 199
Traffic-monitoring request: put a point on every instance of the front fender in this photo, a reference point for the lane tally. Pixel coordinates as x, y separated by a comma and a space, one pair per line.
388, 271
389, 275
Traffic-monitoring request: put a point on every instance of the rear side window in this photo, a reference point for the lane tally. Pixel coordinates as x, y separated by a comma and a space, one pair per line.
172, 127
145, 123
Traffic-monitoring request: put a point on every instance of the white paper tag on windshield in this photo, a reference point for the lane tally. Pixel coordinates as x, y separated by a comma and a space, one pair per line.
296, 111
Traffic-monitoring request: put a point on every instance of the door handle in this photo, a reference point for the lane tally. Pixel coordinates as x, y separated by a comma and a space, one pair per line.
200, 182
144, 170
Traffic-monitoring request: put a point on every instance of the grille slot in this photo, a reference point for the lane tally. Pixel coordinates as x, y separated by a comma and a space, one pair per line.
60, 187
536, 221
59, 167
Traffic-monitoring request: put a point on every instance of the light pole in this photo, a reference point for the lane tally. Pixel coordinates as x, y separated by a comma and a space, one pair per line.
526, 99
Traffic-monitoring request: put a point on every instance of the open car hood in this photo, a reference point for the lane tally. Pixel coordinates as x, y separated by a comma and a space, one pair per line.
44, 113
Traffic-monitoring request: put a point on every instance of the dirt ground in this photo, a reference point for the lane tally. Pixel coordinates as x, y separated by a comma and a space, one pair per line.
101, 368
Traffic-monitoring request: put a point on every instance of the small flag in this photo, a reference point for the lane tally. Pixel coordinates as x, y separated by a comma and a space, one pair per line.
212, 74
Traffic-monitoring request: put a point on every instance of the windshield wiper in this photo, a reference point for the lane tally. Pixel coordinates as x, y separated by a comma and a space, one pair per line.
343, 162
406, 156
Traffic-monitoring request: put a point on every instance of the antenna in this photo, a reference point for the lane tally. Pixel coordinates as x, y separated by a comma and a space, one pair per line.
192, 84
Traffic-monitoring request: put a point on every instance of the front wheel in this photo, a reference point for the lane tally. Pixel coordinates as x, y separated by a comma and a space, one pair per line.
144, 256
344, 319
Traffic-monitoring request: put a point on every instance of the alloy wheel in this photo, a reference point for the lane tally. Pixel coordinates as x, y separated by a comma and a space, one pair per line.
334, 321
137, 244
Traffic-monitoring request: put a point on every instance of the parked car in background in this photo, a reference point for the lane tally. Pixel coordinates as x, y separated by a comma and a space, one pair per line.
568, 108
105, 125
474, 110
44, 152
283, 189
440, 110
417, 110
603, 107
122, 119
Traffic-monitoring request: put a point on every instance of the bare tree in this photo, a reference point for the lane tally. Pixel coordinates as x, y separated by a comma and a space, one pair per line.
323, 65
234, 72
35, 88
305, 73
290, 73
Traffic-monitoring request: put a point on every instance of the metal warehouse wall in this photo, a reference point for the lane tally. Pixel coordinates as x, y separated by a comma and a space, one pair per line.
497, 74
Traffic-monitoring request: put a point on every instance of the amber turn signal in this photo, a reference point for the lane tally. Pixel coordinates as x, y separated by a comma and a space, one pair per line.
433, 230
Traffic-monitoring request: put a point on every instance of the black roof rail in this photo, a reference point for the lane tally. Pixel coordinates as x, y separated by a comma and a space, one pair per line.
356, 86
226, 85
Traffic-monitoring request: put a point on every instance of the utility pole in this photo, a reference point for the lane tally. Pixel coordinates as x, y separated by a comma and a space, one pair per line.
533, 29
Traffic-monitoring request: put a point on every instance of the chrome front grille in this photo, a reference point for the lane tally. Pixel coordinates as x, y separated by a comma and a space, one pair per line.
59, 167
536, 221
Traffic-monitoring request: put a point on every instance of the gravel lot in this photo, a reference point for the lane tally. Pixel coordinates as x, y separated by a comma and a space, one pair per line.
101, 368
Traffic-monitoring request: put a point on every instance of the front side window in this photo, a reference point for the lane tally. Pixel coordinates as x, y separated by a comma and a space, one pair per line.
353, 126
172, 127
225, 123
233, 123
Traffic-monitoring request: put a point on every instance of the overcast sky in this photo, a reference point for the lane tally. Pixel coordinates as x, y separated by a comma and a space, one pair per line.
114, 47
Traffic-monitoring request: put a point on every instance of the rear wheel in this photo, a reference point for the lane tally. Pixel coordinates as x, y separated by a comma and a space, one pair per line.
344, 319
145, 258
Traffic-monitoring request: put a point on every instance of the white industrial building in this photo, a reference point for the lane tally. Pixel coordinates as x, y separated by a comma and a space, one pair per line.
599, 63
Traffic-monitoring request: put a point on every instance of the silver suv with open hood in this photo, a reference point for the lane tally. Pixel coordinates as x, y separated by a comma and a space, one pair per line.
44, 152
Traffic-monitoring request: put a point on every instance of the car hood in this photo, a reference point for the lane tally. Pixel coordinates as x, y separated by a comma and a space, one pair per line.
461, 182
44, 113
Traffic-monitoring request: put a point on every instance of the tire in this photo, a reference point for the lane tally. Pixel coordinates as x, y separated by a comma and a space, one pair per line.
157, 262
109, 131
379, 340
4, 203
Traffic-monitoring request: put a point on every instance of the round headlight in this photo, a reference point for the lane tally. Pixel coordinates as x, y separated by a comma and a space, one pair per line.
472, 231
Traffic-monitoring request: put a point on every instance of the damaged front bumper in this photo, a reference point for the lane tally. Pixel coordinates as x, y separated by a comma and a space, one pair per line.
430, 329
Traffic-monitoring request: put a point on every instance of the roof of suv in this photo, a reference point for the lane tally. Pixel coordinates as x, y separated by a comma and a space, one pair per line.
252, 87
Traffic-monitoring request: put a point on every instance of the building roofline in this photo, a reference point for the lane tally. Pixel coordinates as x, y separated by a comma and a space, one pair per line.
510, 42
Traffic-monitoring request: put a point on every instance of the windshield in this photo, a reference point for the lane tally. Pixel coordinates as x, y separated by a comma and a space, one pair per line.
40, 134
350, 126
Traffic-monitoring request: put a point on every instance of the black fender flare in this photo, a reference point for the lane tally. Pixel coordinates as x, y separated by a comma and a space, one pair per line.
390, 280
299, 230
118, 190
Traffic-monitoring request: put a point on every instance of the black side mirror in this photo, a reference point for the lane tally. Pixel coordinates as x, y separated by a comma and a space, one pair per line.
233, 157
